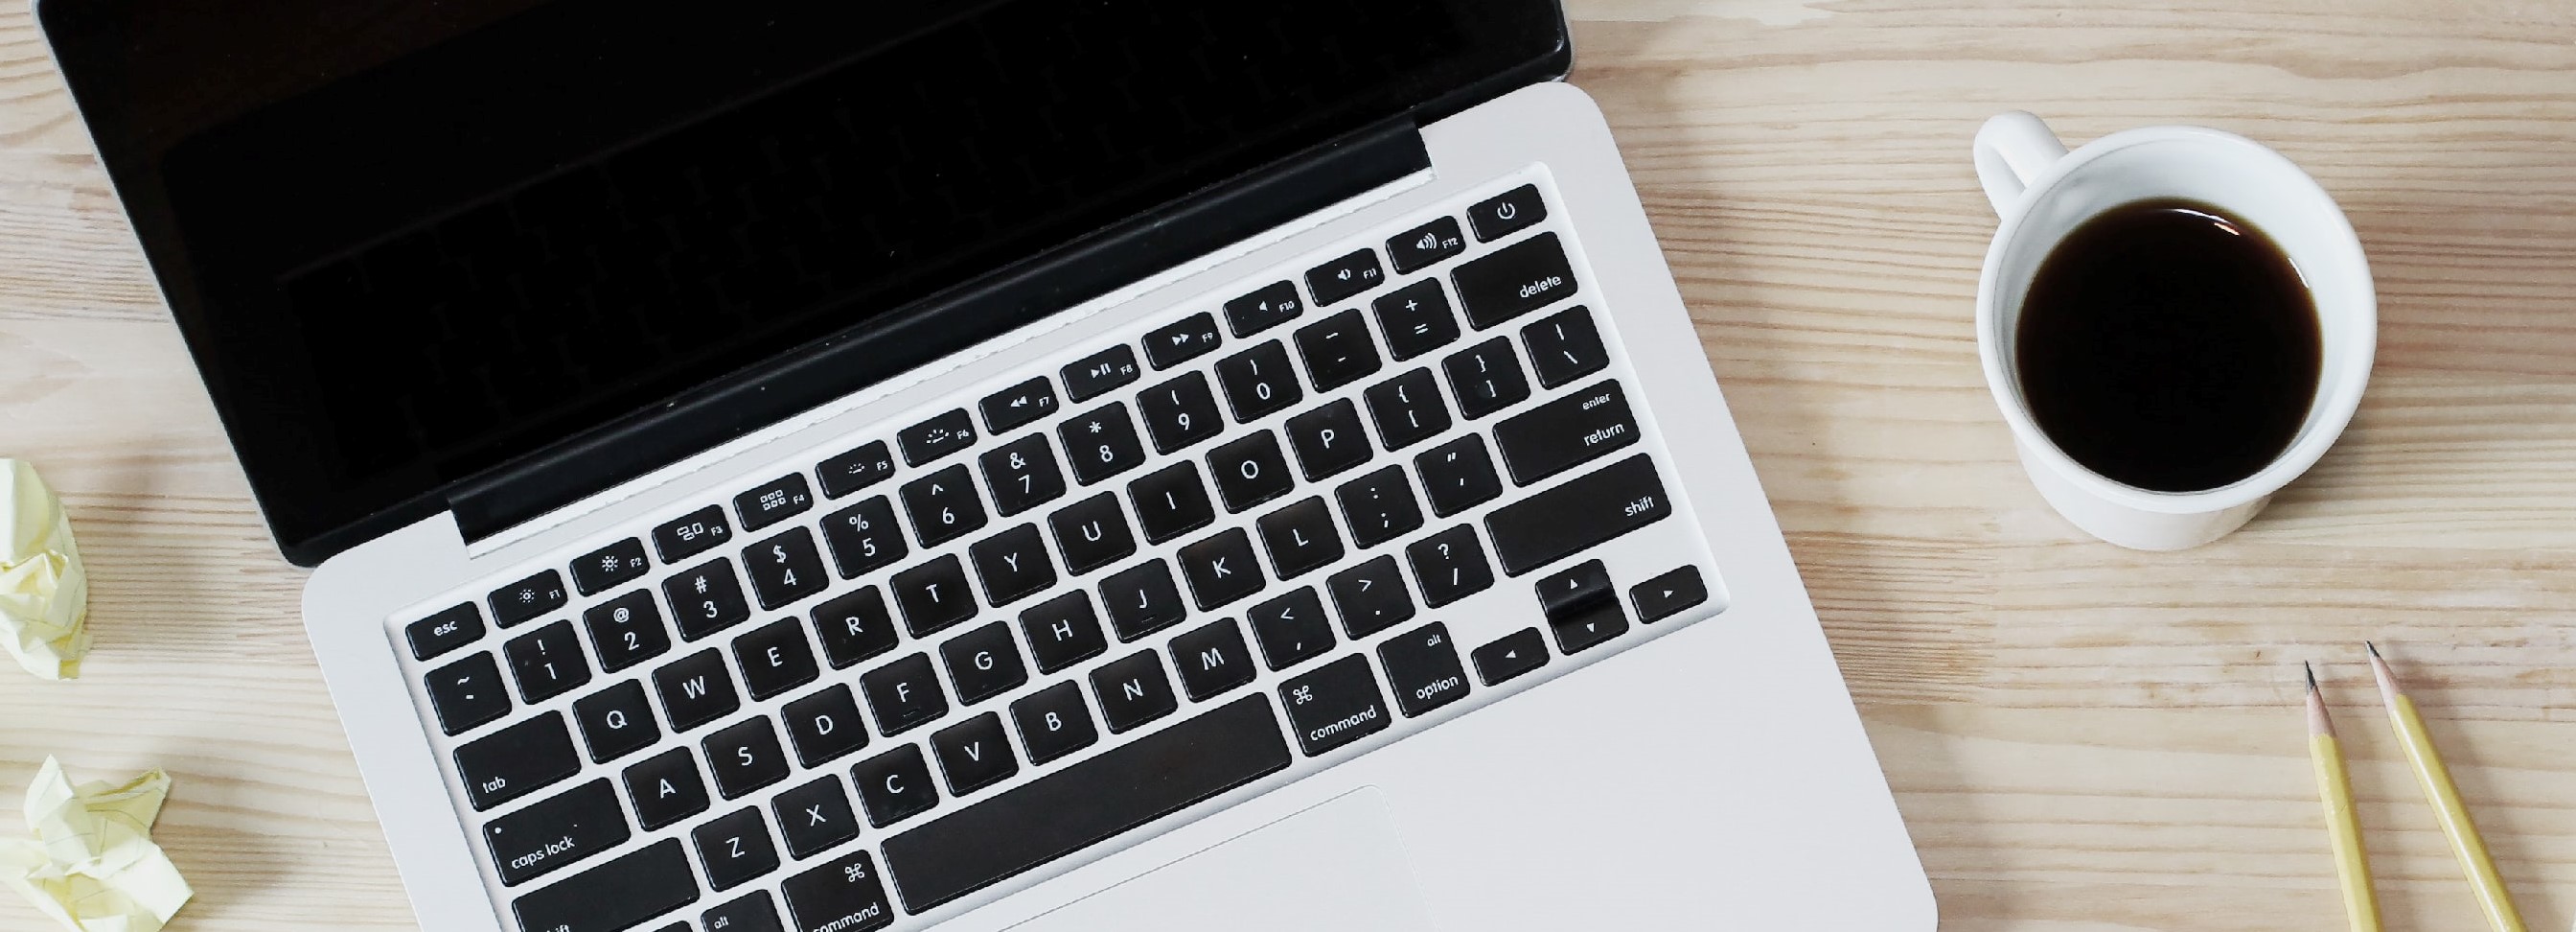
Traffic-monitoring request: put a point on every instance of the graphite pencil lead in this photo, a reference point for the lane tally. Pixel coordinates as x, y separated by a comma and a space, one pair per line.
2319, 723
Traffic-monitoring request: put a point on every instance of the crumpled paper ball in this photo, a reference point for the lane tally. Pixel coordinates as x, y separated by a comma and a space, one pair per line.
92, 864
44, 593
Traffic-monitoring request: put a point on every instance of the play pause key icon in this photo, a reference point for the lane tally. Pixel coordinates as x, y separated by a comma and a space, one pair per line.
1512, 655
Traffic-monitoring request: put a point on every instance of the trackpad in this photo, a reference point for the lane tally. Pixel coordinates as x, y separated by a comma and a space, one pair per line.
1337, 866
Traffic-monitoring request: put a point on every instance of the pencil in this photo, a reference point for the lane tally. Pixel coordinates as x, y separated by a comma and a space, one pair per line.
2445, 797
2352, 861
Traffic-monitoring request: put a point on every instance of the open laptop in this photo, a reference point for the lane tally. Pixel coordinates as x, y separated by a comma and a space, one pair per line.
1050, 465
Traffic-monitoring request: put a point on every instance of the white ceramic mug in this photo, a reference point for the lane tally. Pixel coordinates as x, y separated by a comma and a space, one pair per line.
2043, 192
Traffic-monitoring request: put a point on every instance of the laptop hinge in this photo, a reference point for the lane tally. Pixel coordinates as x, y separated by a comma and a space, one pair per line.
925, 331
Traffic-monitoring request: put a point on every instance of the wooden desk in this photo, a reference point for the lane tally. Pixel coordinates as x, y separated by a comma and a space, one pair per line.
2082, 738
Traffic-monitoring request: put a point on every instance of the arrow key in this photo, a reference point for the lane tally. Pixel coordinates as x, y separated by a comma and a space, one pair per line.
1510, 656
1659, 598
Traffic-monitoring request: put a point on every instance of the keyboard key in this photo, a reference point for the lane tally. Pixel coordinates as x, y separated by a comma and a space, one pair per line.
1132, 691
773, 501
1142, 600
1053, 722
1510, 655
1092, 533
467, 694
904, 694
869, 464
842, 895
1514, 280
1507, 213
1259, 382
934, 596
1085, 804
1425, 245
1063, 631
854, 627
1300, 538
446, 631
1564, 346
1329, 439
547, 662
1566, 433
1422, 669
825, 726
735, 850
1370, 597
1274, 304
1170, 502
1182, 341
1416, 318
784, 568
1212, 659
894, 786
706, 599
1250, 470
1334, 705
628, 630
1008, 409
1577, 515
774, 659
552, 834
936, 437
614, 896
1407, 409
1022, 474
974, 754
609, 567
616, 721
696, 690
1101, 444
1221, 570
1664, 596
1100, 373
1581, 606
691, 534
1379, 506
983, 663
665, 789
1341, 278
1180, 412
864, 538
1450, 565
525, 599
1338, 350
516, 761
814, 818
1013, 565
753, 912
943, 506
745, 756
1486, 378
1458, 475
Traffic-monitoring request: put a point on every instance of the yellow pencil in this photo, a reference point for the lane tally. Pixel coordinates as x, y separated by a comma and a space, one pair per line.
2352, 861
2445, 797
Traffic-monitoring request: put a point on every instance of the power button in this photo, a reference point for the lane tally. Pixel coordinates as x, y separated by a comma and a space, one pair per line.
1510, 213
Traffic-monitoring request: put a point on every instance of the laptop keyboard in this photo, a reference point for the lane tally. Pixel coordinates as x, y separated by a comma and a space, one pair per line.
1083, 604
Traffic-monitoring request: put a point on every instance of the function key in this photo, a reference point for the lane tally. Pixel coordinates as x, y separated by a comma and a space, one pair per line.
527, 598
855, 470
1019, 404
1426, 245
1416, 319
609, 566
773, 501
1100, 372
691, 534
1564, 347
1184, 340
1341, 278
1335, 705
1659, 598
445, 631
1263, 309
1507, 214
1514, 280
937, 437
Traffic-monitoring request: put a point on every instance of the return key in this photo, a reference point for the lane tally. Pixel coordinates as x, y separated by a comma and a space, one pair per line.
1566, 433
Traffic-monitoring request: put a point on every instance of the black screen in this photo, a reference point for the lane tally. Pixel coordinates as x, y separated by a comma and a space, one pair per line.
409, 242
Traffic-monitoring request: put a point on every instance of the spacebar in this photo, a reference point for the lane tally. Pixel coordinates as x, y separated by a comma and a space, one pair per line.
1087, 803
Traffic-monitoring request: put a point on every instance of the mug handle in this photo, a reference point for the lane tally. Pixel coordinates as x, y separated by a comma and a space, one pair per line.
2011, 149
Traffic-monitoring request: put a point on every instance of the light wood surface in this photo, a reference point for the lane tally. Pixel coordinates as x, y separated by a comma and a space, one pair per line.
2082, 738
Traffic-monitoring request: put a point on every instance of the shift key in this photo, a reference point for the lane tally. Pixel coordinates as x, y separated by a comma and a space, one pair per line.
1578, 515
615, 896
1566, 433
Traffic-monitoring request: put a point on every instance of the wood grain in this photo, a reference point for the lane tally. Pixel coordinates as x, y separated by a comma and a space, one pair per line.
2081, 738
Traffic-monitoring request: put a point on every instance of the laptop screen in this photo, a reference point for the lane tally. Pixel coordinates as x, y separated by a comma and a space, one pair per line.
411, 241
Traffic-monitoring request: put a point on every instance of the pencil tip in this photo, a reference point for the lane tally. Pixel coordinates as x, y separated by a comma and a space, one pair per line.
2374, 649
2312, 675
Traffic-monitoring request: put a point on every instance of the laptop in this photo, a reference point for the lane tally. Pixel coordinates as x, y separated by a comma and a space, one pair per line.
979, 465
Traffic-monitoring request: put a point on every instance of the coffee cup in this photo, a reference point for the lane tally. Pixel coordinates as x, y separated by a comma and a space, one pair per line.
2044, 193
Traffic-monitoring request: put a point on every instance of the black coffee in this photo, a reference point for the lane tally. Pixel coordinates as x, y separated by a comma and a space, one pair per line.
2169, 345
